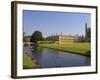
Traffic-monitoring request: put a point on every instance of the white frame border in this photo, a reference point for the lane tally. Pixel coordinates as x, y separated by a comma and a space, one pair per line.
34, 72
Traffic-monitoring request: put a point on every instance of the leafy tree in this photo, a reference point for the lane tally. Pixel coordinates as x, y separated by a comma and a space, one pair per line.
36, 36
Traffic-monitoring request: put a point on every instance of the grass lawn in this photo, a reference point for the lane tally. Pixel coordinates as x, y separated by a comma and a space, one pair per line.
79, 48
28, 63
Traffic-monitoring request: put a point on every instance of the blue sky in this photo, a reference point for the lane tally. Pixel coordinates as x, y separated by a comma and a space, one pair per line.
50, 23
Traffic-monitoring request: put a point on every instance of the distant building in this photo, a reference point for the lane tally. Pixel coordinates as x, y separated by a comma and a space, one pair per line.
67, 38
63, 38
26, 39
72, 38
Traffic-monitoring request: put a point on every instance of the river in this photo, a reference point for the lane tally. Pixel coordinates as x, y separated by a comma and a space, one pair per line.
50, 58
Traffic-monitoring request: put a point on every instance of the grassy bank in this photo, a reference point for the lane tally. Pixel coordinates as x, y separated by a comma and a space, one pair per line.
28, 63
79, 48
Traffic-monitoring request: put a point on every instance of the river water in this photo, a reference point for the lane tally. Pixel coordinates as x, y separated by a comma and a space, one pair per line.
50, 58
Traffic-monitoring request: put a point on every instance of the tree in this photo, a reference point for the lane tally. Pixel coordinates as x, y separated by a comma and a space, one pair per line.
88, 34
26, 37
36, 36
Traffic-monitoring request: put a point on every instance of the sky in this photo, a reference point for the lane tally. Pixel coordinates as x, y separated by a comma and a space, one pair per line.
51, 23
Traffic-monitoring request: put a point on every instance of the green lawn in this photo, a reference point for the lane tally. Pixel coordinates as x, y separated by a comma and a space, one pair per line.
79, 48
28, 63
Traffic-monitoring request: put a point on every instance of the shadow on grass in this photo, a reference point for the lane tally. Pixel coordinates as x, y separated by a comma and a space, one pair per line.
88, 53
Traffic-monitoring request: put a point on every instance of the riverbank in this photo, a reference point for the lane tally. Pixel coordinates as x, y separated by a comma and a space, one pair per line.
77, 48
29, 63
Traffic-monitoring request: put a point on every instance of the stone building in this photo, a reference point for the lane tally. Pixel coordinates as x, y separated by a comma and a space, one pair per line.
61, 39
67, 38
26, 39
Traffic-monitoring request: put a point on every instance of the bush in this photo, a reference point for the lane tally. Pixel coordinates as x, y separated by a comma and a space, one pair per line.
44, 42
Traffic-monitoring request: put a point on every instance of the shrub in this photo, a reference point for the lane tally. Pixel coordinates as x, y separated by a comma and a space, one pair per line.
44, 42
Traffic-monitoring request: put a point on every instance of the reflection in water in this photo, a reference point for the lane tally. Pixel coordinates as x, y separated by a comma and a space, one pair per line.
50, 58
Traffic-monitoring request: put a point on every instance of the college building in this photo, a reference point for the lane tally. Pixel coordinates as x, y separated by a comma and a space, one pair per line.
67, 38
61, 39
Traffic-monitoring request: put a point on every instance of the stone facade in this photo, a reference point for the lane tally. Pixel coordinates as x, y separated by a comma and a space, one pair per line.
67, 38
